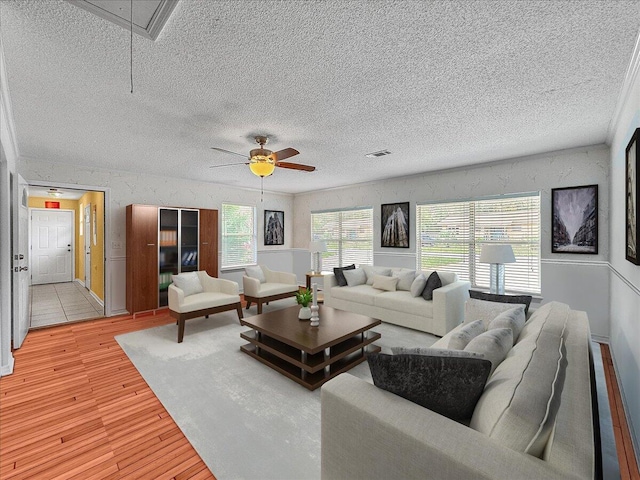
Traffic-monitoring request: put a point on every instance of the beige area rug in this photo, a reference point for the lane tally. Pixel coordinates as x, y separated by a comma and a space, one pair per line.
244, 419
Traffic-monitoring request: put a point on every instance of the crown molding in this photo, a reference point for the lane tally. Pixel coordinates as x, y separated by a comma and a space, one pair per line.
7, 126
625, 91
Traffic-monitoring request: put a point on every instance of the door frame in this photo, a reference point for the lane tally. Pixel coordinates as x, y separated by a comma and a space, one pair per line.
73, 237
87, 245
107, 232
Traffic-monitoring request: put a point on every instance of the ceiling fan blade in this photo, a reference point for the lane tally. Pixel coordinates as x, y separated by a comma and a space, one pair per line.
295, 166
286, 153
227, 151
228, 165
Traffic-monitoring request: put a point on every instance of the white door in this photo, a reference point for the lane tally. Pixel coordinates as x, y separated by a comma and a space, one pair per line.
21, 305
87, 247
51, 246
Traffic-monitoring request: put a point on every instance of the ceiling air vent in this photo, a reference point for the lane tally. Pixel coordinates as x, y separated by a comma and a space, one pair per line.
380, 153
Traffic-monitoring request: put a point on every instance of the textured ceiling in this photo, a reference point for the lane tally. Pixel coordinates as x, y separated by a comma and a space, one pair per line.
440, 84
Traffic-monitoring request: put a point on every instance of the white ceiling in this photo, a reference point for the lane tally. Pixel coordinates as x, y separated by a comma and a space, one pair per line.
440, 84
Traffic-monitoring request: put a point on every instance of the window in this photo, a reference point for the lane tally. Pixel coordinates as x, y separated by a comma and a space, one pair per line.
349, 236
238, 235
450, 237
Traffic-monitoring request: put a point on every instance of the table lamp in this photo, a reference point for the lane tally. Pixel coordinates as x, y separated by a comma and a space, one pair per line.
497, 256
317, 247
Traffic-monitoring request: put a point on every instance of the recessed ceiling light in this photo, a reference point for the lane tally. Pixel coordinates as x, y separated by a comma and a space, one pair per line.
380, 153
53, 192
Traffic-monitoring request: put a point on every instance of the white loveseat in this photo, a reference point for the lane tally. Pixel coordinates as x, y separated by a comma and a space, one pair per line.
368, 432
437, 316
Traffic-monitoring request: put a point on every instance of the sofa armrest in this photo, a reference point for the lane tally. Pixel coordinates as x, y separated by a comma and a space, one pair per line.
250, 286
176, 298
448, 306
225, 286
370, 433
329, 281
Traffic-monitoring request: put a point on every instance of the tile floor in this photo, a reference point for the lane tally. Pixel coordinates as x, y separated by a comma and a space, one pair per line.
57, 303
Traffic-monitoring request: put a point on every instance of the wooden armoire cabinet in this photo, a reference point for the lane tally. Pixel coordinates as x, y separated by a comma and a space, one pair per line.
156, 250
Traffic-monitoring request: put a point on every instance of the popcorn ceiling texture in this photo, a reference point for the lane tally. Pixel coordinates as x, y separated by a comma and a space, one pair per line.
440, 84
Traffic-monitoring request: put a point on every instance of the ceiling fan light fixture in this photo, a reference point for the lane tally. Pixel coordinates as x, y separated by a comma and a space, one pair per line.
262, 165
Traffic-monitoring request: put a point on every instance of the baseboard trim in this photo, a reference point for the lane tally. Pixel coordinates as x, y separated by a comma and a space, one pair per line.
80, 282
96, 298
600, 339
7, 369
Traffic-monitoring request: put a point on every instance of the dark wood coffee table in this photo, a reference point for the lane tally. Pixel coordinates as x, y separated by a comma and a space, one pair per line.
310, 355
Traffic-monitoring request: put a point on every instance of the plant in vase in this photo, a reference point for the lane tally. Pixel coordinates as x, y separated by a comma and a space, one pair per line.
304, 297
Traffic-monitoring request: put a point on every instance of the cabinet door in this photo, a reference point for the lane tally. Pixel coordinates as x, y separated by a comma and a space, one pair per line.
142, 258
209, 241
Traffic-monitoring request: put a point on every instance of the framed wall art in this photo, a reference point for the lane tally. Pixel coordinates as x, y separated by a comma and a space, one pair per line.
574, 214
395, 225
632, 200
273, 227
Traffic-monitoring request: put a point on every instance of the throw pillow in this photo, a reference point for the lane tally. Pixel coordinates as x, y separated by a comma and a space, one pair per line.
433, 282
484, 310
442, 352
450, 386
189, 283
465, 334
370, 270
385, 283
513, 319
493, 344
355, 277
418, 284
405, 279
255, 272
493, 297
338, 272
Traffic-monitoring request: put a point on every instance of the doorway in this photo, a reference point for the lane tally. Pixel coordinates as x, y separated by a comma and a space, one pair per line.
52, 246
87, 247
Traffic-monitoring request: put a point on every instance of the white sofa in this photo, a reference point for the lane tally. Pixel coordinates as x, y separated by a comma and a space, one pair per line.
368, 432
437, 316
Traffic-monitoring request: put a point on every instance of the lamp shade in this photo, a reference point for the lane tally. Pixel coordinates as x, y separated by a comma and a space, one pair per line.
497, 254
261, 168
318, 246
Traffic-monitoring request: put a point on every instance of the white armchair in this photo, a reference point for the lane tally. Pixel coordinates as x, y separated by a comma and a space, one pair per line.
218, 295
277, 285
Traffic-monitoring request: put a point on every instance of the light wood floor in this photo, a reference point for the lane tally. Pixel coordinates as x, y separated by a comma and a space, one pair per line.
76, 407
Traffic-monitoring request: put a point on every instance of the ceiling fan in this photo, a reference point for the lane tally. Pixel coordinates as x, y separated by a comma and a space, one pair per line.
262, 162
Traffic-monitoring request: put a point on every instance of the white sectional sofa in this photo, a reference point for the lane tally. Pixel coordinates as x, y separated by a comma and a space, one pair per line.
368, 432
437, 316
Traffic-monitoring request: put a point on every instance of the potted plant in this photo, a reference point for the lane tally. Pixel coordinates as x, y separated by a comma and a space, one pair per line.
304, 297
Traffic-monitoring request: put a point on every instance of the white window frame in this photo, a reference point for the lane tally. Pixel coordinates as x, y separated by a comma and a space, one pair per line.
338, 241
224, 235
471, 241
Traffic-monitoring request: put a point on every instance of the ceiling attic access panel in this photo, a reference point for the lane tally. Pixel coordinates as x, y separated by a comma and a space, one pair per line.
149, 16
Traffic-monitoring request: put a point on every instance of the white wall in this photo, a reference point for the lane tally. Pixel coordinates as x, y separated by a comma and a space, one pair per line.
579, 280
128, 188
625, 278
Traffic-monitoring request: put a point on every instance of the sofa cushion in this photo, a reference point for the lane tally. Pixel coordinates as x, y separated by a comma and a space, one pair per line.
448, 385
268, 289
443, 352
493, 344
418, 284
255, 272
382, 282
550, 317
188, 282
516, 406
338, 272
463, 336
484, 310
513, 318
445, 277
361, 294
433, 282
405, 279
200, 301
494, 297
355, 277
403, 302
371, 271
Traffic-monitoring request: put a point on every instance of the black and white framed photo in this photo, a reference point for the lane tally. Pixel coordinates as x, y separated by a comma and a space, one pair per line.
395, 225
273, 227
574, 213
632, 200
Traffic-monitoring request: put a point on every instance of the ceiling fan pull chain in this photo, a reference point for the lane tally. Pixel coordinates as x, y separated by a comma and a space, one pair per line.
261, 189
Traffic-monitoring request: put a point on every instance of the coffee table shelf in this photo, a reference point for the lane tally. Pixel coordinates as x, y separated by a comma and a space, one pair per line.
310, 355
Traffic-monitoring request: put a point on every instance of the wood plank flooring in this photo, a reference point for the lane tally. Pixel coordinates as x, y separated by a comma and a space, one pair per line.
76, 408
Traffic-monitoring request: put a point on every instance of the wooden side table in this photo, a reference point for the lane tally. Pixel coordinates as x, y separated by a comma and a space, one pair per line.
311, 275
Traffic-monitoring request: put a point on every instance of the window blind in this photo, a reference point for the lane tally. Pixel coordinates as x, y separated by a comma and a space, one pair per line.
348, 234
450, 237
239, 241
